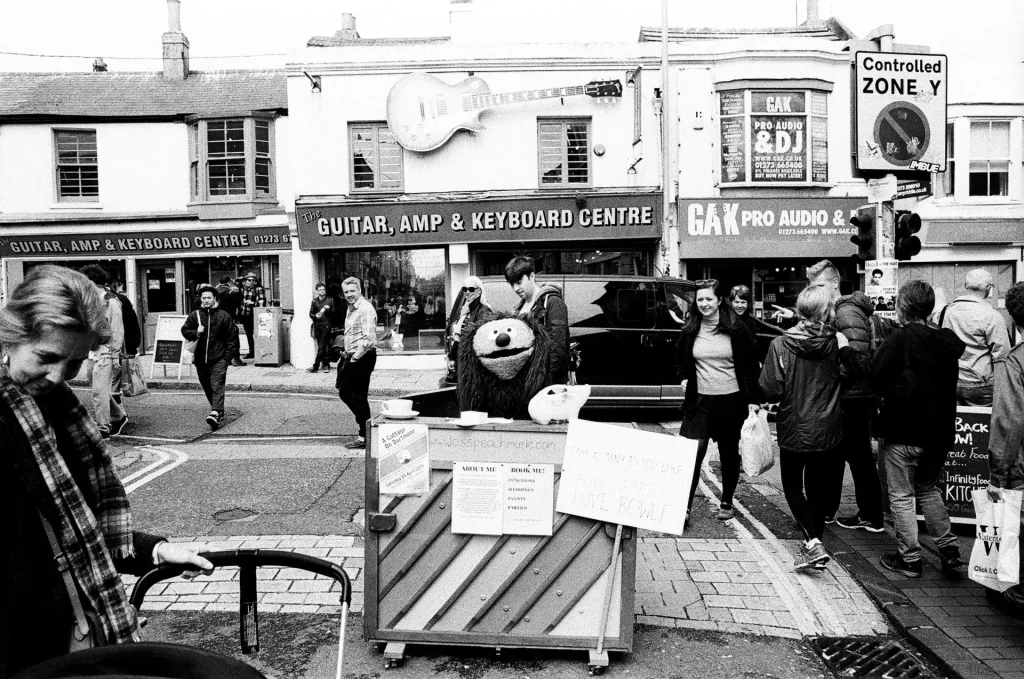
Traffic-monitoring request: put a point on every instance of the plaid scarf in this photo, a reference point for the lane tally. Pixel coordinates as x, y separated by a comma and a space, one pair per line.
90, 538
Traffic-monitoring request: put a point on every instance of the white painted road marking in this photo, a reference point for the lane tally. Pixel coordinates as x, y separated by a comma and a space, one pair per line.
158, 470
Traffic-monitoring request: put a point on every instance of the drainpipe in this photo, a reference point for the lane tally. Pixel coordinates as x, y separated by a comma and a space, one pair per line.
669, 230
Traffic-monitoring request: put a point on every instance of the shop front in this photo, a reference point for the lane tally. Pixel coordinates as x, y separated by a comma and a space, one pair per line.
767, 244
412, 256
160, 270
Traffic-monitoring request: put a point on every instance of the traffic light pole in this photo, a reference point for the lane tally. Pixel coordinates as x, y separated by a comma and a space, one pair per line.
885, 223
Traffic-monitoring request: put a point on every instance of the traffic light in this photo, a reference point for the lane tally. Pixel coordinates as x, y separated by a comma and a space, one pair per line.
864, 220
907, 244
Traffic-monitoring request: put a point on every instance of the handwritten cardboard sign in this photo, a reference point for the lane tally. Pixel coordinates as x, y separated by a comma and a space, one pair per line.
626, 476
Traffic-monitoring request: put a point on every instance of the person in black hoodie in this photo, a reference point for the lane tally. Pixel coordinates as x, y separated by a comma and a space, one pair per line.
802, 372
718, 365
543, 303
915, 373
216, 337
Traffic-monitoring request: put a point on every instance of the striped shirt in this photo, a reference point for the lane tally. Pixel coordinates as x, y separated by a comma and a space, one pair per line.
360, 326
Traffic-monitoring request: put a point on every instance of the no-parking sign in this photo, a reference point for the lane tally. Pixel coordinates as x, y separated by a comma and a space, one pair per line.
901, 111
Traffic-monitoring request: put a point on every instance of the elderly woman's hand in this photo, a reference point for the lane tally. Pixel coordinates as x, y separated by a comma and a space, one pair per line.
186, 555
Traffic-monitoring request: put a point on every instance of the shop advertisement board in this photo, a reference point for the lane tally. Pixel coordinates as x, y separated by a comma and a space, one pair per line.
766, 227
401, 223
881, 281
146, 243
169, 347
967, 463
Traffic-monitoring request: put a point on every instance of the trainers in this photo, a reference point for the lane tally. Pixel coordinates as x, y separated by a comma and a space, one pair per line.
951, 560
327, 369
213, 419
814, 556
237, 363
726, 512
105, 433
896, 564
830, 518
314, 369
856, 523
118, 426
358, 442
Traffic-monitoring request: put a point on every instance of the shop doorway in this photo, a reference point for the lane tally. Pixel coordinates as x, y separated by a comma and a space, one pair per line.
159, 295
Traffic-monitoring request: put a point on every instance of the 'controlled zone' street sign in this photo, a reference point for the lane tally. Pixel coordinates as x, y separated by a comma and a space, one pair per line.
901, 111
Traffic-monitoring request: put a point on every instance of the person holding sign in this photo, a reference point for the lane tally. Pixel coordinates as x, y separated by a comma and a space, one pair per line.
718, 364
1006, 441
216, 337
59, 491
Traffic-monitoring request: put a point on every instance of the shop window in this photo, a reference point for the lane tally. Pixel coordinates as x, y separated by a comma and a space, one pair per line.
78, 177
774, 136
990, 158
563, 148
571, 262
376, 159
231, 160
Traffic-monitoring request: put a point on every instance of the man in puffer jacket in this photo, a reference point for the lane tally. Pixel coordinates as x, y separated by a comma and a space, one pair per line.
216, 338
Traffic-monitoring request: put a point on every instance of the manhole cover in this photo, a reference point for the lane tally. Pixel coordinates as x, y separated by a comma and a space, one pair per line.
852, 657
235, 514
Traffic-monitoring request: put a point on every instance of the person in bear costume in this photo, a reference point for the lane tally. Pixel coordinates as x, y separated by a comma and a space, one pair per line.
506, 364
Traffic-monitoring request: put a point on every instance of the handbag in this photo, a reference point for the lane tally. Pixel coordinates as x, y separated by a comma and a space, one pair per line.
86, 631
133, 382
188, 349
756, 451
995, 559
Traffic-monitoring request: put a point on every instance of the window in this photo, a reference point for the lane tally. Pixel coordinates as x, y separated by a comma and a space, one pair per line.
990, 158
231, 160
78, 177
376, 159
774, 136
563, 148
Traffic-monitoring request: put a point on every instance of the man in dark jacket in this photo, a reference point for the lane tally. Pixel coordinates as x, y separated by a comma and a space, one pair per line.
216, 337
544, 303
915, 372
229, 298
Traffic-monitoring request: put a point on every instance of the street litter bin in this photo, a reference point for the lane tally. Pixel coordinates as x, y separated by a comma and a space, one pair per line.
269, 335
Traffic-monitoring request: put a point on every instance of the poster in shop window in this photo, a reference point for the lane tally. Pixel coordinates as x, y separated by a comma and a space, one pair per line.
777, 146
733, 147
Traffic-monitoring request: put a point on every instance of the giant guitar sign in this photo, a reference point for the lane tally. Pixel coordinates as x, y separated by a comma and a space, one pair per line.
424, 112
901, 111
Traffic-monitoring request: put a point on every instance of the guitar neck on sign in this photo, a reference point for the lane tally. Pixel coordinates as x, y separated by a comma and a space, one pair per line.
423, 112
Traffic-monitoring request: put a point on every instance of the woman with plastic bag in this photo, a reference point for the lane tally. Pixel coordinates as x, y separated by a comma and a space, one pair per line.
801, 371
1005, 455
60, 497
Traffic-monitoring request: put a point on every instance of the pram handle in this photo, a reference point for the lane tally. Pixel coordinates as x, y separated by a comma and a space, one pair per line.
248, 558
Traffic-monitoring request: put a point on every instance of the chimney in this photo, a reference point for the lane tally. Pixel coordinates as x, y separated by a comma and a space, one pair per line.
175, 44
99, 66
813, 20
348, 28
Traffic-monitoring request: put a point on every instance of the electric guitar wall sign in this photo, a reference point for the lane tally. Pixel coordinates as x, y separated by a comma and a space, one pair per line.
424, 112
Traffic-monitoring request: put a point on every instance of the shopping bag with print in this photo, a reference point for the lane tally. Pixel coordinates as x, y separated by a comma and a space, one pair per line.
756, 451
995, 559
133, 382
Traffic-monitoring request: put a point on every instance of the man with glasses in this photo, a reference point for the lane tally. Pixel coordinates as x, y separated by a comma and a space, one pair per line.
471, 306
982, 328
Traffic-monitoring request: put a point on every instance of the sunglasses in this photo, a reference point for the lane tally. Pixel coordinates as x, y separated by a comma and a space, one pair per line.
470, 289
707, 283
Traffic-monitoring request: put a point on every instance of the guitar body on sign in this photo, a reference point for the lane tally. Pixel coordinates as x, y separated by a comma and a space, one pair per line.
423, 112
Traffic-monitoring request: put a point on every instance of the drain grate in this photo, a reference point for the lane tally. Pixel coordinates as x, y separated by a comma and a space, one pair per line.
854, 657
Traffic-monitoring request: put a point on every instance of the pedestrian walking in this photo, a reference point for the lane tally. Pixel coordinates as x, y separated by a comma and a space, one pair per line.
67, 522
983, 331
104, 367
229, 298
544, 303
915, 373
216, 338
718, 366
356, 364
1006, 438
321, 310
253, 295
802, 373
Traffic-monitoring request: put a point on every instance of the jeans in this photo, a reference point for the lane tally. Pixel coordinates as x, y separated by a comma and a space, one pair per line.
974, 394
855, 450
247, 325
354, 386
322, 337
913, 474
804, 477
214, 376
105, 375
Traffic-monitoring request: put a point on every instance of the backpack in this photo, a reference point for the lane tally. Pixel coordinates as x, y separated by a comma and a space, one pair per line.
132, 329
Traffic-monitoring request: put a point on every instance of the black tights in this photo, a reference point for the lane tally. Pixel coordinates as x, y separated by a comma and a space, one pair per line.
804, 482
729, 454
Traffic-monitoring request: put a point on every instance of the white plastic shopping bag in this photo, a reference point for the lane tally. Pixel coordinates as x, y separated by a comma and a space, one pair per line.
995, 559
756, 451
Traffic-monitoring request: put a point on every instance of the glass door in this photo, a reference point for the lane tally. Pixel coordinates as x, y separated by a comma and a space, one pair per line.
159, 295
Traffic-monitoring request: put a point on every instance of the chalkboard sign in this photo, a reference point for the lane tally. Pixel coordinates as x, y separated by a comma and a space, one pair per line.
967, 463
169, 342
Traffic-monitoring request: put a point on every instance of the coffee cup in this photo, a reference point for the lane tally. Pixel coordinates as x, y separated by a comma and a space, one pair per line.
473, 417
398, 406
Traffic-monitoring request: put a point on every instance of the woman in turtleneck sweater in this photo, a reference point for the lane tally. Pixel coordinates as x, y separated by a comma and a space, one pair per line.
718, 366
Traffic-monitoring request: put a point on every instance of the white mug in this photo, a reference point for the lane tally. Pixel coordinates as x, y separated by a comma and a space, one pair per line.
473, 416
398, 406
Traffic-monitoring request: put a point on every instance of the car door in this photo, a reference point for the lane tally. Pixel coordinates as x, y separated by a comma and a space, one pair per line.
674, 299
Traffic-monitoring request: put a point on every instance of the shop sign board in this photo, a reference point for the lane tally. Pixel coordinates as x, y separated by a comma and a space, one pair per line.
402, 224
901, 111
766, 227
145, 243
169, 347
967, 463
